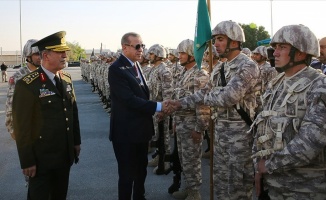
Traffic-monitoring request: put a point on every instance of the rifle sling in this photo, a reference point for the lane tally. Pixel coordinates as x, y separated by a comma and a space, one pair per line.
245, 117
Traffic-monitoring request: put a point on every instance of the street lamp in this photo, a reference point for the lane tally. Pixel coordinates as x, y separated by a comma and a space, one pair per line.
271, 18
20, 28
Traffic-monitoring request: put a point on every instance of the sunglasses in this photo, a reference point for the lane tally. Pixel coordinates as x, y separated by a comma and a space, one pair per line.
138, 46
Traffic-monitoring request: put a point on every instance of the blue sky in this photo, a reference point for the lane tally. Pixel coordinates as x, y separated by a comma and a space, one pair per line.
91, 23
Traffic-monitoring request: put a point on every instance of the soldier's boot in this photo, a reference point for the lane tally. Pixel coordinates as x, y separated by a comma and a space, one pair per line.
95, 89
105, 104
160, 170
206, 155
208, 140
153, 162
103, 99
176, 184
183, 194
193, 195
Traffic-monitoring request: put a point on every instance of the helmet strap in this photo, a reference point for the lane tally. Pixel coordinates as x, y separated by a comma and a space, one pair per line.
31, 62
228, 49
291, 63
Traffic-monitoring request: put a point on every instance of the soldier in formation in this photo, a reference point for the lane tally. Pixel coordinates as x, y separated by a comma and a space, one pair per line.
290, 140
267, 73
160, 87
190, 123
233, 101
33, 61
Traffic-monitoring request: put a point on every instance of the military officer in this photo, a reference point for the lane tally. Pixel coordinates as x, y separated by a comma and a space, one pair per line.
45, 119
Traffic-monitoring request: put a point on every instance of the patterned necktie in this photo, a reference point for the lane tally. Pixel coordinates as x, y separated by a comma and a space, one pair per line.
135, 68
58, 83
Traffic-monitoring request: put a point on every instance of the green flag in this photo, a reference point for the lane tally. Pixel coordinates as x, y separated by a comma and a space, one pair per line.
203, 31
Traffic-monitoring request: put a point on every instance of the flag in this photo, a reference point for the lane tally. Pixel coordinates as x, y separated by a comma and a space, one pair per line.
203, 31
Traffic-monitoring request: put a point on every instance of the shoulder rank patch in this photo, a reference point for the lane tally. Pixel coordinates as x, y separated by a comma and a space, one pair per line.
30, 77
66, 73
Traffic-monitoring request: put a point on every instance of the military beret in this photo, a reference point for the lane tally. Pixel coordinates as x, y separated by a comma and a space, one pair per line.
54, 42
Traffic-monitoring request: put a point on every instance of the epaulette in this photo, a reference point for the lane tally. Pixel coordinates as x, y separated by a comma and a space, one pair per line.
66, 74
30, 77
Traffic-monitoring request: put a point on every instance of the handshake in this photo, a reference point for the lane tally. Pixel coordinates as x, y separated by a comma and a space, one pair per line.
168, 107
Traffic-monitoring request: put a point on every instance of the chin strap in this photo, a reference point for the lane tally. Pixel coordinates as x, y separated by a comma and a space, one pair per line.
228, 49
188, 61
291, 63
31, 62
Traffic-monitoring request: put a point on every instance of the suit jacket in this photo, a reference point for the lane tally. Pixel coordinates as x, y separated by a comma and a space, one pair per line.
46, 123
131, 111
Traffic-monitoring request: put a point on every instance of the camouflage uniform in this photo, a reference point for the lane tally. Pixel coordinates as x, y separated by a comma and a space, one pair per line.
189, 120
233, 169
145, 67
12, 82
160, 87
291, 128
267, 73
194, 119
27, 52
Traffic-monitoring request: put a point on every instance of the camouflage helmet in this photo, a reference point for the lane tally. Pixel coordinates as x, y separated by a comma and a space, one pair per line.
167, 51
230, 29
146, 54
262, 50
300, 37
186, 46
28, 50
246, 51
157, 50
174, 52
214, 51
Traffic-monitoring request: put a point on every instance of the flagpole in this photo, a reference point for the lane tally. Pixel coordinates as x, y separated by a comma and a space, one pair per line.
20, 30
211, 122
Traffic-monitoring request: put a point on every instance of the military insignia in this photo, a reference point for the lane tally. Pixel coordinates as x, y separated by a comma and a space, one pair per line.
45, 92
66, 74
43, 77
69, 88
30, 77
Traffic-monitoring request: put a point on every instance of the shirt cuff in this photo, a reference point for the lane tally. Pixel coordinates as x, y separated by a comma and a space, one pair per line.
158, 106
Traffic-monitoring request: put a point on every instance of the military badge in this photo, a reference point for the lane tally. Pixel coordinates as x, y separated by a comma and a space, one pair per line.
45, 92
69, 88
43, 78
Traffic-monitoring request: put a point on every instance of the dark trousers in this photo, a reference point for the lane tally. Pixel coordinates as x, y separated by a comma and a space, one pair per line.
49, 184
132, 168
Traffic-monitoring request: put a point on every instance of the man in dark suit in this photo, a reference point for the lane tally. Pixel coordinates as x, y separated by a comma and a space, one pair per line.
131, 123
46, 124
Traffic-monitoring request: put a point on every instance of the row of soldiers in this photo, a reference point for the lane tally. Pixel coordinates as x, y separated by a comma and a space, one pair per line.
173, 74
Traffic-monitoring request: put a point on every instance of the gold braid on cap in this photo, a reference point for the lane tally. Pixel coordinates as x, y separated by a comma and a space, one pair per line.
59, 47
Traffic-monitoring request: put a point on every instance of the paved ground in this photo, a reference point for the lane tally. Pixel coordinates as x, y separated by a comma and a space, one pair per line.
95, 177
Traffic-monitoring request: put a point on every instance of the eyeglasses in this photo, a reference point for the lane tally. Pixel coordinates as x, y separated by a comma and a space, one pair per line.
138, 46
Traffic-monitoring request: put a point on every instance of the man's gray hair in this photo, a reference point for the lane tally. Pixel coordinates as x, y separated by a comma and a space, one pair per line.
125, 37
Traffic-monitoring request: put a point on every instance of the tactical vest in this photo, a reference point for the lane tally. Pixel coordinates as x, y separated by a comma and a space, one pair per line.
281, 119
